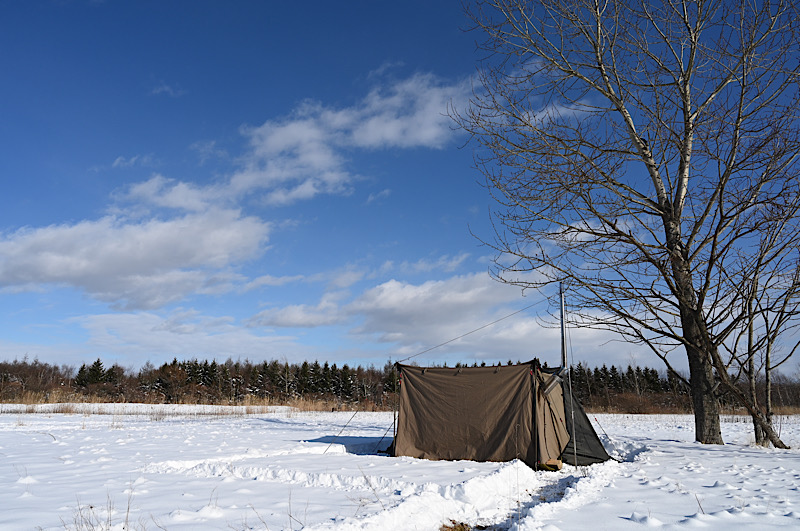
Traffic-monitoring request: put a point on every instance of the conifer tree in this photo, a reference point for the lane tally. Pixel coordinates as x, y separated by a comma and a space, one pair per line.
96, 373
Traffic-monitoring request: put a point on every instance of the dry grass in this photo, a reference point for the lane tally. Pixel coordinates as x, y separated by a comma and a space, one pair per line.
88, 517
33, 398
787, 410
632, 404
65, 408
65, 403
644, 404
457, 526
780, 410
69, 403
311, 404
159, 411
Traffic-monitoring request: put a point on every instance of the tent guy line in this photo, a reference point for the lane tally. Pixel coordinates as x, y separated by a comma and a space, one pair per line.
470, 332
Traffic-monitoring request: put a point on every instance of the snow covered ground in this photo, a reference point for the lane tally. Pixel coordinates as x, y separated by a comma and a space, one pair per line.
105, 466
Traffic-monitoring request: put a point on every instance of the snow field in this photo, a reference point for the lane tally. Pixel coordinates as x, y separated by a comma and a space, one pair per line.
191, 467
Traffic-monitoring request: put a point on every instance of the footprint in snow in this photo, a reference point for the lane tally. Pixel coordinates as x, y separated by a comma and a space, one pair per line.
721, 485
645, 520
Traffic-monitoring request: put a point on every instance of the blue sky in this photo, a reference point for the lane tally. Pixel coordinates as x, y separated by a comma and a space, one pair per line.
251, 180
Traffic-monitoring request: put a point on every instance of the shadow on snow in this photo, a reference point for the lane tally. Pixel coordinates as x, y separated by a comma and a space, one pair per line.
358, 445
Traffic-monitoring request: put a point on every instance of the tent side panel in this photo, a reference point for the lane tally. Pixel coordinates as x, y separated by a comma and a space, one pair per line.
584, 447
476, 413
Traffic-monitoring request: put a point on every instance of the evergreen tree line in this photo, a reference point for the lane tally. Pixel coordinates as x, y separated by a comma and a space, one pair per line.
645, 390
633, 389
194, 381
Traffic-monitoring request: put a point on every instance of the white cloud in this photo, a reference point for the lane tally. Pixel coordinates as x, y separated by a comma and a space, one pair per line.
384, 69
207, 150
326, 313
395, 306
168, 193
410, 318
477, 310
269, 280
292, 160
444, 263
305, 154
410, 113
346, 278
128, 162
133, 264
383, 194
183, 333
474, 317
173, 91
404, 313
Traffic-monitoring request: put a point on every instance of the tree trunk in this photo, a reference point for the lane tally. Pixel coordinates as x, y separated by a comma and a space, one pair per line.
758, 417
706, 407
768, 384
698, 344
761, 437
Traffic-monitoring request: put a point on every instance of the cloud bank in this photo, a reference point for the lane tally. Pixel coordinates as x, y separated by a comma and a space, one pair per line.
305, 154
133, 264
170, 239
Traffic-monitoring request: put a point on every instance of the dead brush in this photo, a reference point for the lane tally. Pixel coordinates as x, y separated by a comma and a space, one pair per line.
256, 410
87, 517
65, 408
640, 404
313, 404
456, 526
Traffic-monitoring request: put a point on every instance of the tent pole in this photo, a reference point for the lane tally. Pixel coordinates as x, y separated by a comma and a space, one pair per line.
563, 328
394, 410
572, 413
564, 366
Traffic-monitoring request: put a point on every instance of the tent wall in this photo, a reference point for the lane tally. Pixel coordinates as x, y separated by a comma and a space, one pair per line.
480, 413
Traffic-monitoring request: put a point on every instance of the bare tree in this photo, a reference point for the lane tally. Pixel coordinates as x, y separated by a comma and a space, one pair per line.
645, 154
773, 306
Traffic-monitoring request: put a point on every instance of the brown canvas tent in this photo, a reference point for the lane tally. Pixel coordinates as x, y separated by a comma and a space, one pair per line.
492, 414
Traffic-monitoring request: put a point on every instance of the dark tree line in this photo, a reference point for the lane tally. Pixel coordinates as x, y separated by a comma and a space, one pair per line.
645, 390
194, 381
631, 390
635, 389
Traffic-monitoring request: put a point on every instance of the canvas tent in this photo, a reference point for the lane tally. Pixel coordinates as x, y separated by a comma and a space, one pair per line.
493, 414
